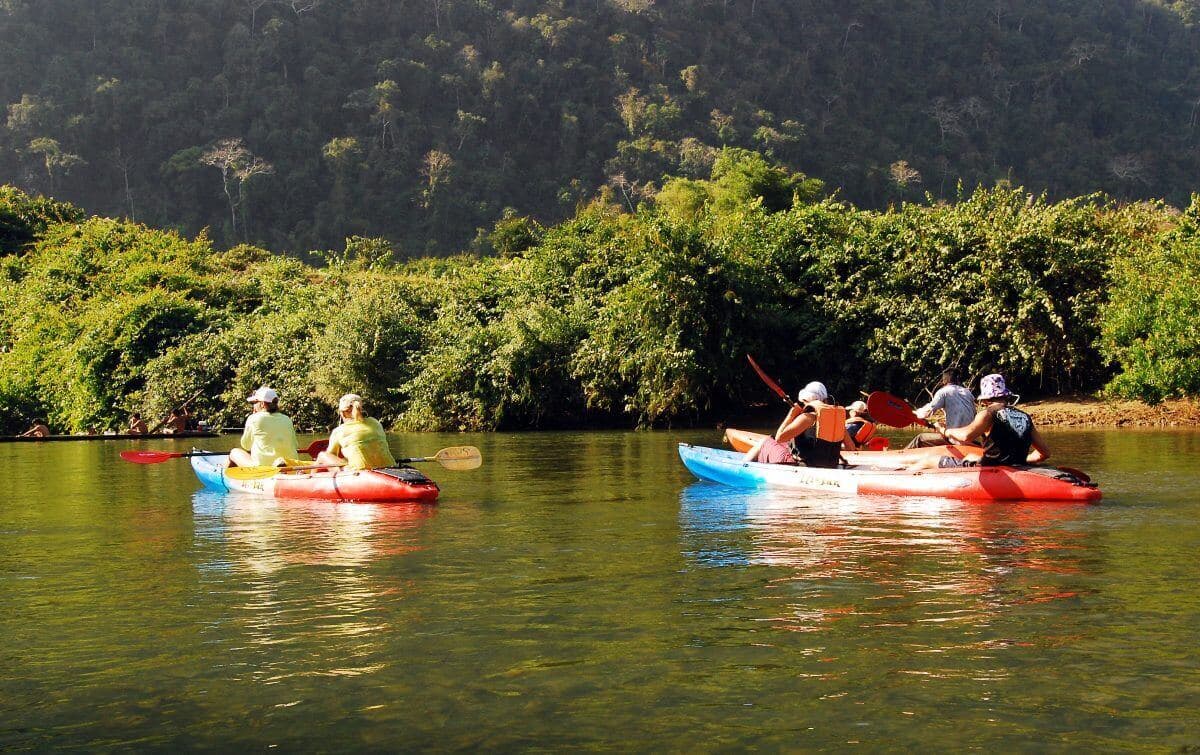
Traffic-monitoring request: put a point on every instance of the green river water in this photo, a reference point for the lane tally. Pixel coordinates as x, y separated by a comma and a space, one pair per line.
583, 591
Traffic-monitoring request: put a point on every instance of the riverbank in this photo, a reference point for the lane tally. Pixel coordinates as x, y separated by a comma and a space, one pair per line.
1085, 411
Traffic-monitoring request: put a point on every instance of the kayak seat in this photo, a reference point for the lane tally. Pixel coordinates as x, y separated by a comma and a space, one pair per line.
1058, 474
405, 474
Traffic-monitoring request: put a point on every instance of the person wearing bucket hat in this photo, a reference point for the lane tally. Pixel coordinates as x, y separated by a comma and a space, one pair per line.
812, 432
269, 438
1006, 433
359, 442
955, 401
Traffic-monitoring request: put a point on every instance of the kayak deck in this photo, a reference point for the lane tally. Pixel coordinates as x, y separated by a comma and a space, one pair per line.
396, 485
965, 483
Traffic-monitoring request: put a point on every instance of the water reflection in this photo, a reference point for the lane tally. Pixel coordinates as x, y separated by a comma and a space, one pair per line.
287, 572
886, 562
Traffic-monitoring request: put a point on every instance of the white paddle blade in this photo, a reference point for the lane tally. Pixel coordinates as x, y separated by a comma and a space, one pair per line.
459, 458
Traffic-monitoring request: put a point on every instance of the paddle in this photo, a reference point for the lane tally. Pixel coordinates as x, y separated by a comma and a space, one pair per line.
455, 458
894, 411
781, 393
158, 457
179, 408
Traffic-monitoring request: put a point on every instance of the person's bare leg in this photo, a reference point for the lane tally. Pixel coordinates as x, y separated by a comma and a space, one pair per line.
239, 457
752, 454
332, 460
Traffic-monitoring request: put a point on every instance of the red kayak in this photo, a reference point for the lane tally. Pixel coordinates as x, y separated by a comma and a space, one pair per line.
399, 485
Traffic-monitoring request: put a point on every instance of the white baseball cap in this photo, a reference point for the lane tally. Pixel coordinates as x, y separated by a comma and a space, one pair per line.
263, 394
345, 402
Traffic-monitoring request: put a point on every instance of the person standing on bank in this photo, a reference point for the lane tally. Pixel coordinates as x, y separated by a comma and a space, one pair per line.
269, 437
955, 401
359, 442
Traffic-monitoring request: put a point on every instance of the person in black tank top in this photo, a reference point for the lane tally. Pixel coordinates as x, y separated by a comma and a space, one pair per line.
801, 435
1006, 433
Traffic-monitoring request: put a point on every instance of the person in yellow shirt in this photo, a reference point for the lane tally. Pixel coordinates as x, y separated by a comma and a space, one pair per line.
269, 437
359, 442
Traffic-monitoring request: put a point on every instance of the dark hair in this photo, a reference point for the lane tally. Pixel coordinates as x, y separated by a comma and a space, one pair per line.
272, 406
950, 376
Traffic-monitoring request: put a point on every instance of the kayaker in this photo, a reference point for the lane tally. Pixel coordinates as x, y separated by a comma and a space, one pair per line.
957, 404
812, 432
137, 425
359, 442
176, 422
38, 429
269, 437
1007, 434
860, 428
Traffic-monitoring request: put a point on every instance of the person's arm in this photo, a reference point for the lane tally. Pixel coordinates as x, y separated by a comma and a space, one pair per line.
796, 423
335, 442
938, 402
978, 427
248, 433
1040, 451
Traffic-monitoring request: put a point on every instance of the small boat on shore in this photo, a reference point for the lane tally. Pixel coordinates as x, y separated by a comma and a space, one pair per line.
118, 436
398, 485
976, 484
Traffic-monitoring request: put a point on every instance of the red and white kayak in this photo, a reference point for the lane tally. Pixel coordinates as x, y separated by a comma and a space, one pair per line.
742, 440
399, 485
981, 484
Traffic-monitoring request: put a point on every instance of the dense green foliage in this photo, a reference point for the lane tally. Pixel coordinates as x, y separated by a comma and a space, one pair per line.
297, 123
1152, 324
609, 318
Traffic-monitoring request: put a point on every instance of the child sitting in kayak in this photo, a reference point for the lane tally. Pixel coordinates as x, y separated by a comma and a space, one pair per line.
359, 442
812, 432
860, 428
1008, 435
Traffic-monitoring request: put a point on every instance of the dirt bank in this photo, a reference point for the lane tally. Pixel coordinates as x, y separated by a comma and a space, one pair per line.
1082, 411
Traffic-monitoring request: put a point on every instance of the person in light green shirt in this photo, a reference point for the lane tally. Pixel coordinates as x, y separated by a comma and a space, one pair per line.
359, 442
269, 437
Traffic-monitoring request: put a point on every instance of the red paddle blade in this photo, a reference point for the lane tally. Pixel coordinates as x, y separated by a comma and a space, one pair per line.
892, 410
316, 447
149, 457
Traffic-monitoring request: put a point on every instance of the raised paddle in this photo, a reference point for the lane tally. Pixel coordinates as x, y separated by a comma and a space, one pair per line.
780, 392
456, 458
181, 407
158, 457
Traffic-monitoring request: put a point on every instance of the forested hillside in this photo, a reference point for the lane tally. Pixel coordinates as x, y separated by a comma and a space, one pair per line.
297, 123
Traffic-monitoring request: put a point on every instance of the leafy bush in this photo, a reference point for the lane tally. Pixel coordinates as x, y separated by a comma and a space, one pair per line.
611, 317
1150, 324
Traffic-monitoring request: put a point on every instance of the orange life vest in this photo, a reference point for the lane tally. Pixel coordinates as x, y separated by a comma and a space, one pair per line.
831, 423
865, 432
